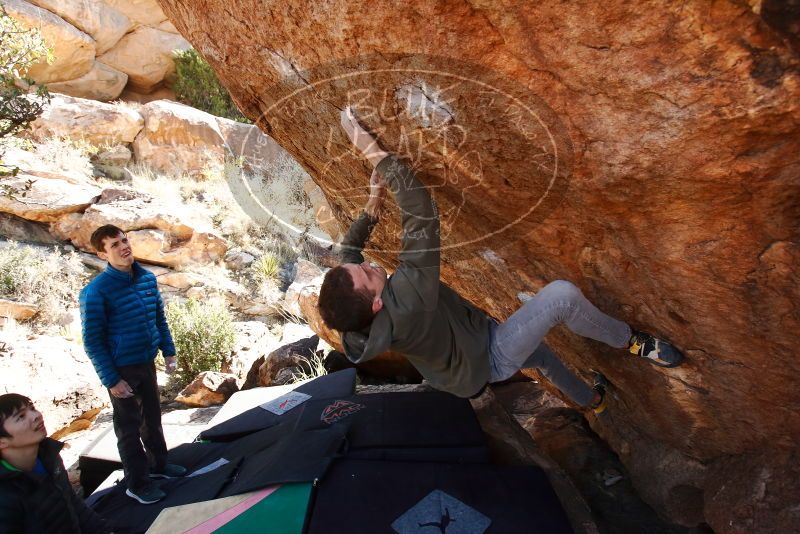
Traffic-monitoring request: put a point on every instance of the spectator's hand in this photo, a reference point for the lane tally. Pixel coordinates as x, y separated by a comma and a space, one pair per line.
171, 364
377, 194
121, 390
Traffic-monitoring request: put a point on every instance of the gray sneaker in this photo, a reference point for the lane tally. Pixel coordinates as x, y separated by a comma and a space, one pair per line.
146, 495
169, 471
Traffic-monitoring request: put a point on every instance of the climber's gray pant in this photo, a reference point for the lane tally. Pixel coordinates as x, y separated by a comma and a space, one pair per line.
517, 343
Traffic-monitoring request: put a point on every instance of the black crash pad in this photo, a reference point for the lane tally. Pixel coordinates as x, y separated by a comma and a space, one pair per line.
338, 384
301, 456
430, 426
368, 497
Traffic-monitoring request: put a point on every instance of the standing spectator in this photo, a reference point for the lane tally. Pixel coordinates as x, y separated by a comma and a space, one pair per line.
123, 329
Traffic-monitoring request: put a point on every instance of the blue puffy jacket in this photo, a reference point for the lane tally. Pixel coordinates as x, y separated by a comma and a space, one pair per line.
123, 321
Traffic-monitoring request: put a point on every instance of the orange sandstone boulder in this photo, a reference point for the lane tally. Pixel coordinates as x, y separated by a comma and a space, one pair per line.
648, 152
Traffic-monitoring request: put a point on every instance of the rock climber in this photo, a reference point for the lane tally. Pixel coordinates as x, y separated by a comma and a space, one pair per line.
454, 345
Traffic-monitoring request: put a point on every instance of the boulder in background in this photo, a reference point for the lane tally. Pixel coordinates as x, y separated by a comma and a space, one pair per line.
105, 24
208, 389
100, 83
141, 12
178, 139
146, 56
74, 50
66, 385
80, 119
44, 199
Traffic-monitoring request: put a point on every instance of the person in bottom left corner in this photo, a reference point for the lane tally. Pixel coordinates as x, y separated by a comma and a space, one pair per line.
35, 493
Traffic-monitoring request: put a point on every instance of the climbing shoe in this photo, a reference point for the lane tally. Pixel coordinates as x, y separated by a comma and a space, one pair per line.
656, 350
599, 384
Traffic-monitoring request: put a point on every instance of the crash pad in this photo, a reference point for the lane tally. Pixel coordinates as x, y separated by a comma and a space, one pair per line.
367, 497
229, 425
426, 427
127, 515
283, 512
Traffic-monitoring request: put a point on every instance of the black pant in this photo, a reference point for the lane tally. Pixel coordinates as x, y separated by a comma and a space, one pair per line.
137, 421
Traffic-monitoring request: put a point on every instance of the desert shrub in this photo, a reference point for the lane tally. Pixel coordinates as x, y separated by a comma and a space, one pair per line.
203, 334
19, 49
266, 267
49, 280
197, 85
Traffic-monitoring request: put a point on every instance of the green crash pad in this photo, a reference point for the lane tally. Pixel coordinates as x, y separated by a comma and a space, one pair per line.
283, 512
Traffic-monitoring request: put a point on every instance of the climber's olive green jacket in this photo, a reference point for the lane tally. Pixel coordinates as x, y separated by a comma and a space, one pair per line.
442, 335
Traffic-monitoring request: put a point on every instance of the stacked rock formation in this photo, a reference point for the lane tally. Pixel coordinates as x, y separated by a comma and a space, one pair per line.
102, 47
648, 153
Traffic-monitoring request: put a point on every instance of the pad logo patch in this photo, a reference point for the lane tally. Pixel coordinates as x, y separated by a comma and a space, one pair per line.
286, 402
442, 512
339, 410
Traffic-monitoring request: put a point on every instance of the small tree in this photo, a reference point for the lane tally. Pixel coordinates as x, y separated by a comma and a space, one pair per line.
196, 85
19, 50
203, 335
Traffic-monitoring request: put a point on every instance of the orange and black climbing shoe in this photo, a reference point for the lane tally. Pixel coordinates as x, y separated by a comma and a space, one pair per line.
599, 384
656, 350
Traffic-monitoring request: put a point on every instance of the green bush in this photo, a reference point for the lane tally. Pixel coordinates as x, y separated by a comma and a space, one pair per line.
19, 50
203, 334
49, 280
196, 85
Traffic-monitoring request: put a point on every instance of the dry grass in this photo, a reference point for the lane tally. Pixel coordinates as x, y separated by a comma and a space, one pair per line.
48, 279
63, 156
215, 204
314, 367
135, 106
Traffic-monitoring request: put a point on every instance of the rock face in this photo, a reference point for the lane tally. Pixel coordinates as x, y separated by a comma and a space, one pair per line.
95, 122
253, 343
283, 363
755, 486
307, 278
649, 155
145, 55
157, 233
208, 389
73, 50
112, 162
44, 199
18, 229
102, 22
249, 143
132, 41
66, 383
100, 83
179, 139
142, 12
19, 311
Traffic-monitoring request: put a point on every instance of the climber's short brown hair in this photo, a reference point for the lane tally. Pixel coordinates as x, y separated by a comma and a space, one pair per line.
101, 234
340, 305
